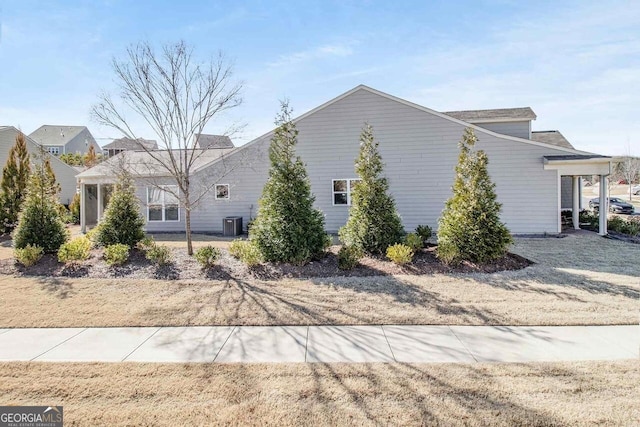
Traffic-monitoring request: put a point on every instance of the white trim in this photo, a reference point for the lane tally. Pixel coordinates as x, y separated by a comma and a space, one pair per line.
478, 128
162, 187
215, 192
401, 101
348, 192
504, 120
409, 104
559, 214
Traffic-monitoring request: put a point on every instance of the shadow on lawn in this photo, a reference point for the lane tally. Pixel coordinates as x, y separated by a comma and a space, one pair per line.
239, 302
551, 281
428, 395
58, 287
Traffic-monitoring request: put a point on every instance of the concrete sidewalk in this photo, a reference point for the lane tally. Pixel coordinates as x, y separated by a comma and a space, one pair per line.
278, 344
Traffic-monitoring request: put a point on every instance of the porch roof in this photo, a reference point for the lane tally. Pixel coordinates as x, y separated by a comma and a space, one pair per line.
579, 164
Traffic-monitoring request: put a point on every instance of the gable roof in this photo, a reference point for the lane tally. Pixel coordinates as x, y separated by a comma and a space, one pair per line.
55, 134
213, 141
477, 129
553, 137
131, 144
494, 115
144, 164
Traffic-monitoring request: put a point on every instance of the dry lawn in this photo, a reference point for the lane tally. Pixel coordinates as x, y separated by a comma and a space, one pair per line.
580, 279
585, 393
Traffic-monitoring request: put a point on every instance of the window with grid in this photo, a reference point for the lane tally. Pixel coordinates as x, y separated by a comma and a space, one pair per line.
342, 189
162, 203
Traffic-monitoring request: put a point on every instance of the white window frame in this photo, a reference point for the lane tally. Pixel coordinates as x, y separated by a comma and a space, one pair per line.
333, 192
215, 191
164, 206
54, 150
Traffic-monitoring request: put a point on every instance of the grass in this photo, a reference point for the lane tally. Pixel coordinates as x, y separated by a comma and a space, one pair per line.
585, 393
578, 280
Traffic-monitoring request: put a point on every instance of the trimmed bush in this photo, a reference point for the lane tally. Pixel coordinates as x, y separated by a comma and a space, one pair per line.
348, 257
414, 241
159, 254
207, 256
622, 226
65, 214
75, 250
146, 243
288, 228
116, 254
588, 217
29, 255
122, 222
470, 228
40, 223
246, 251
425, 232
373, 222
400, 254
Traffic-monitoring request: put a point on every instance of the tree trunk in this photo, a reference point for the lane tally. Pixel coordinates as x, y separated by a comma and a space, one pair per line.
187, 223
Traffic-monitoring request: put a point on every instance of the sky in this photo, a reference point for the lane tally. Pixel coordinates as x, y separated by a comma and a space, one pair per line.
576, 64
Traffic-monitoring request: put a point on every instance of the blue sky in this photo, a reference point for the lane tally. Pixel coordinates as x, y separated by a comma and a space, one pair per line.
577, 64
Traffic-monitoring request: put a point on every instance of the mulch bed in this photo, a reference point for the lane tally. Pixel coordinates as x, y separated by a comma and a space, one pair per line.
229, 268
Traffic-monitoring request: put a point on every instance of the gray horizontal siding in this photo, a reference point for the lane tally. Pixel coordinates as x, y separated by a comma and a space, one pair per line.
517, 129
420, 151
245, 173
65, 175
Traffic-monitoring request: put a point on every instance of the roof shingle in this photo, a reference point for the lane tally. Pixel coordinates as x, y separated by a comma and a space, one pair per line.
471, 116
213, 141
552, 137
131, 144
55, 135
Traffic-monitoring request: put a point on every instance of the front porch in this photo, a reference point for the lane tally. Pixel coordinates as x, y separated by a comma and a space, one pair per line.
571, 169
94, 198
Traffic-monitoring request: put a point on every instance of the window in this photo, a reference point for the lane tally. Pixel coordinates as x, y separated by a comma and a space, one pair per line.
162, 204
222, 191
342, 191
54, 150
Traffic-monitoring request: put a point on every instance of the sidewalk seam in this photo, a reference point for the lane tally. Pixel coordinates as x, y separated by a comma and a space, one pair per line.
140, 345
463, 344
59, 344
388, 343
224, 343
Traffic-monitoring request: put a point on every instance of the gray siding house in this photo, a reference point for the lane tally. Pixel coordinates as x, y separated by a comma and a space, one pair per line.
65, 139
419, 147
117, 146
65, 174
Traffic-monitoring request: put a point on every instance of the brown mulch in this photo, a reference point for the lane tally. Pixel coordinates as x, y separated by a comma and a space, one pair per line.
227, 267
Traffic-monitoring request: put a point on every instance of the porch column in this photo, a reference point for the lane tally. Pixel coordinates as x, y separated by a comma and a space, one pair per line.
575, 208
83, 216
99, 213
603, 208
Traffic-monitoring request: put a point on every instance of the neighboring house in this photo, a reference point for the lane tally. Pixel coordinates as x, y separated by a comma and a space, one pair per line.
65, 174
213, 141
419, 147
117, 146
65, 139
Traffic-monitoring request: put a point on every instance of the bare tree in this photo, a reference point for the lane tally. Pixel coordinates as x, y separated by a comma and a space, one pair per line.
628, 167
177, 97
